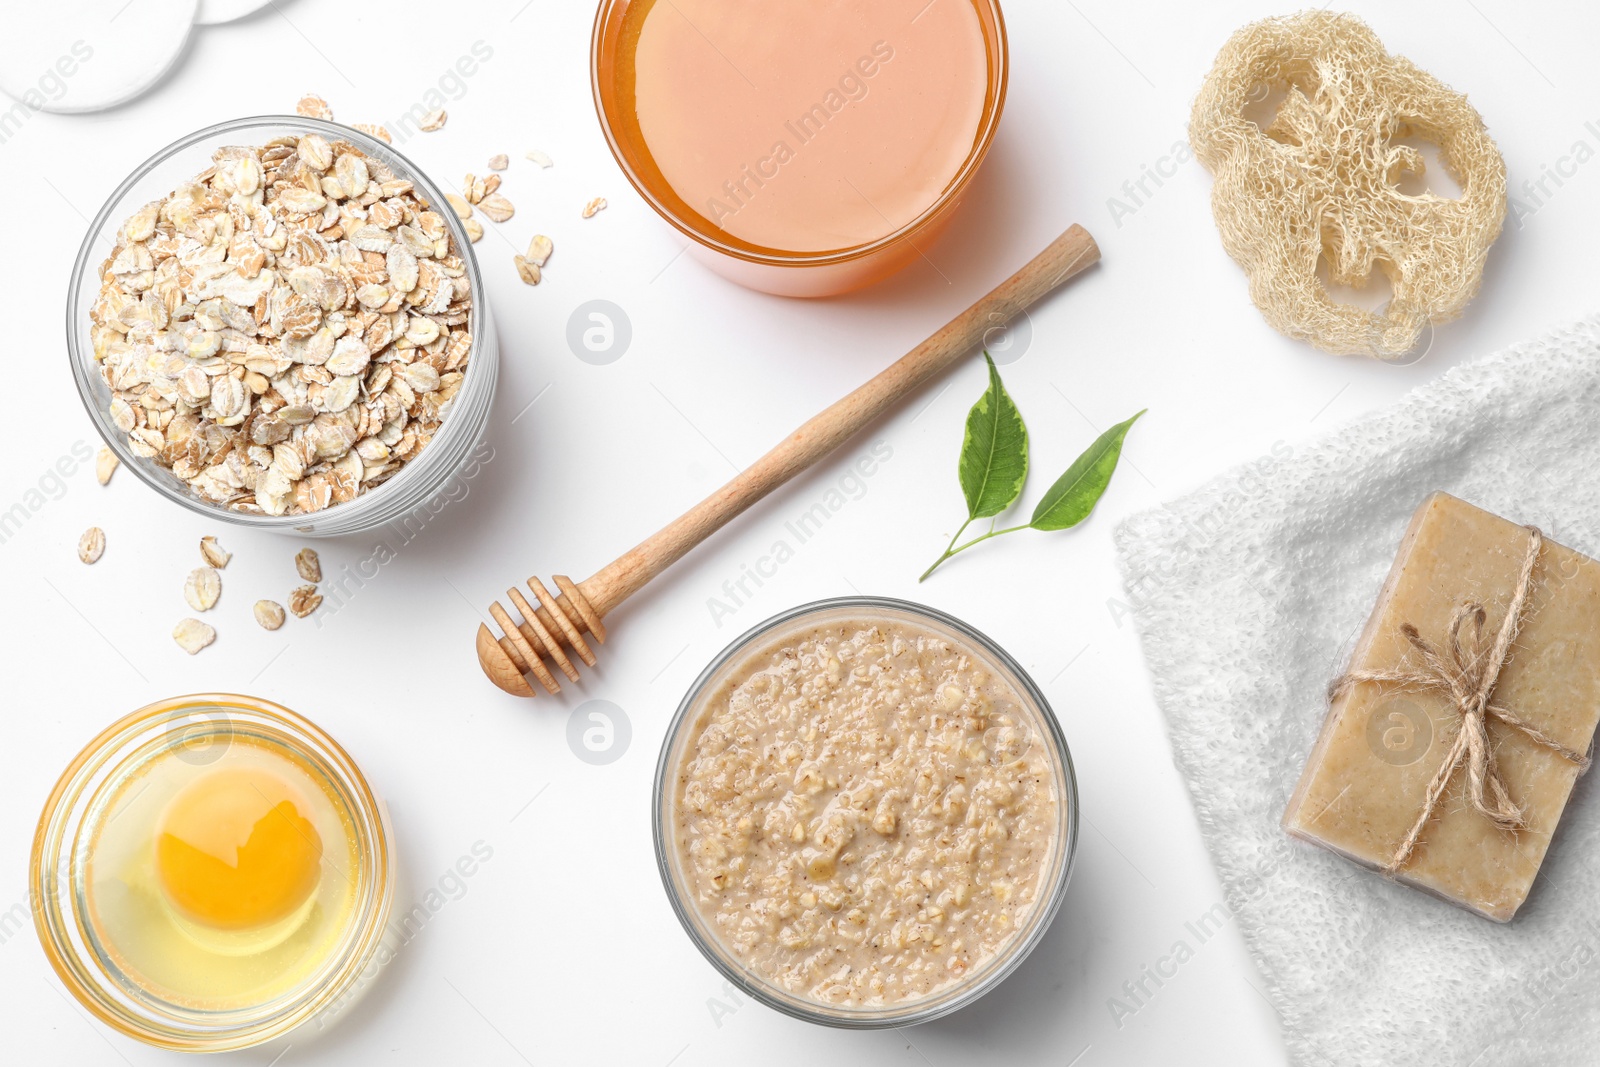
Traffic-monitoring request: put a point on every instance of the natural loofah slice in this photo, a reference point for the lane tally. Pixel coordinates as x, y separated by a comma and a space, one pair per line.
1322, 181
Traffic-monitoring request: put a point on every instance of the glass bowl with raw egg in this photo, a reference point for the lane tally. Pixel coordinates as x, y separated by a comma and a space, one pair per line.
211, 872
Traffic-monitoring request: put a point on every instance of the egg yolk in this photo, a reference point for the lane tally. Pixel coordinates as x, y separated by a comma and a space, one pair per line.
233, 850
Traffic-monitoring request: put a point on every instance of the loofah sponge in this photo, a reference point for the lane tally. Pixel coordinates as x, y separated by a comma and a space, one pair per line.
1321, 181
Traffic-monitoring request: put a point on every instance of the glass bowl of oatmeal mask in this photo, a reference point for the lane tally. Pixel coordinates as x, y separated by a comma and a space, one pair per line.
279, 322
865, 813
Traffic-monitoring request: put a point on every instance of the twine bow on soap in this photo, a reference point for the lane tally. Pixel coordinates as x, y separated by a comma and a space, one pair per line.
1469, 673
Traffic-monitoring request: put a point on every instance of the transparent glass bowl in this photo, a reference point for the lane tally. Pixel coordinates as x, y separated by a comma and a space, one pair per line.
1053, 882
196, 725
427, 474
787, 273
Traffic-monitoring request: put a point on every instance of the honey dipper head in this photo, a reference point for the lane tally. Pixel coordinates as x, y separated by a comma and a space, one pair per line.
542, 632
499, 666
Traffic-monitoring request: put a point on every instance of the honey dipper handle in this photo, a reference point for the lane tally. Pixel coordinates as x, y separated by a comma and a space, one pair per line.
1067, 255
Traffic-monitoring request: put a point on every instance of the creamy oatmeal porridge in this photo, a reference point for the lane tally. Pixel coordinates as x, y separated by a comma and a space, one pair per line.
864, 812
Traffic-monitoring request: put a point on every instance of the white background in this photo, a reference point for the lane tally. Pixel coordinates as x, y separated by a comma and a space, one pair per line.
563, 949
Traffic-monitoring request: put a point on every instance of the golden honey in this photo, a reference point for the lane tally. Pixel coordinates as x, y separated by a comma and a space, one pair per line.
807, 147
806, 126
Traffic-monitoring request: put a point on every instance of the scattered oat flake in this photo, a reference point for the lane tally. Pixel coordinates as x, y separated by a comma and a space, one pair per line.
462, 209
499, 162
304, 600
472, 188
373, 129
313, 106
202, 588
540, 158
214, 554
491, 183
594, 207
539, 249
269, 613
92, 545
433, 120
105, 464
497, 207
309, 566
474, 230
527, 270
192, 635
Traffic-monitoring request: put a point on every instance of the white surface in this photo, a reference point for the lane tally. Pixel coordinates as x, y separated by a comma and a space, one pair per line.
563, 949
88, 55
214, 12
1248, 594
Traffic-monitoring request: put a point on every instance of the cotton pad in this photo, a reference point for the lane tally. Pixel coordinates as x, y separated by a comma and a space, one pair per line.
87, 55
213, 12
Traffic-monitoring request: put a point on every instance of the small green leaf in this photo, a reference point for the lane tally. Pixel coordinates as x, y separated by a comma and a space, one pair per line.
1069, 501
994, 452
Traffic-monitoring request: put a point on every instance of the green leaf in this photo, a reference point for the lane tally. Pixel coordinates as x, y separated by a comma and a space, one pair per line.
994, 452
1069, 501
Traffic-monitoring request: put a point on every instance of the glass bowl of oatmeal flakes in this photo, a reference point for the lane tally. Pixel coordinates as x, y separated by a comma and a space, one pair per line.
279, 322
865, 813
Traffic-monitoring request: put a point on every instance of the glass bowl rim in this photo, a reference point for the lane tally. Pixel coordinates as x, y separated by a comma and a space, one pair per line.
998, 81
83, 362
60, 819
915, 1012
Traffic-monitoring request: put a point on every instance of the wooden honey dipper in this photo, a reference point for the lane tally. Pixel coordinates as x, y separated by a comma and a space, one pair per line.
579, 607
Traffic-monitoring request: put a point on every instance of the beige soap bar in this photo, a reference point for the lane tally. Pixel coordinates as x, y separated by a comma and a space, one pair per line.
1365, 783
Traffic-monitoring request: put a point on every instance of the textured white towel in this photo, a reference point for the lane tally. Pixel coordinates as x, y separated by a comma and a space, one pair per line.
1248, 594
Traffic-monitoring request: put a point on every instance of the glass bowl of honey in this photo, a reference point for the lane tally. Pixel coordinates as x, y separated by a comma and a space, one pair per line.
211, 872
804, 149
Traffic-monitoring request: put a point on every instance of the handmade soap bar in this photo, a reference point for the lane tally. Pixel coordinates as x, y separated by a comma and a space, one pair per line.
1453, 740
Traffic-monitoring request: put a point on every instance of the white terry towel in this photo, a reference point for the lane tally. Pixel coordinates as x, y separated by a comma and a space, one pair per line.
1247, 595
